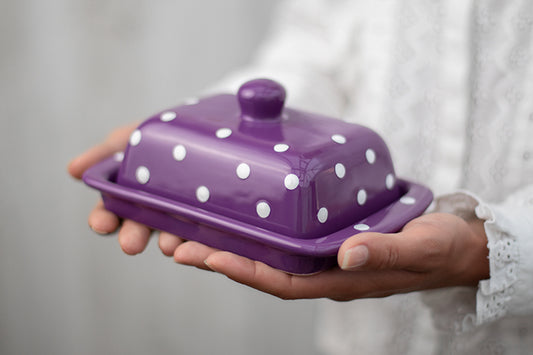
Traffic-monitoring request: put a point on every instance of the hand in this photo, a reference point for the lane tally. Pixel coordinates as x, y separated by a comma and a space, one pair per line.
132, 236
432, 251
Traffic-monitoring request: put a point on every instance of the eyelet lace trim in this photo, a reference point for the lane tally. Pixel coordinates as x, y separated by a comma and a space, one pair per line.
504, 255
493, 294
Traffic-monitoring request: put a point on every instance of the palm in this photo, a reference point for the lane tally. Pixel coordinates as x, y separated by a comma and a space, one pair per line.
435, 250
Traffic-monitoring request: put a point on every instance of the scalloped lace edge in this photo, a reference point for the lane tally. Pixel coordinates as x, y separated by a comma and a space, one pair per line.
494, 294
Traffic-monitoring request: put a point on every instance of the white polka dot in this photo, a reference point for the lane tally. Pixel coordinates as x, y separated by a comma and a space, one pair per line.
263, 209
179, 152
322, 215
340, 170
408, 200
361, 227
142, 174
223, 133
280, 148
291, 181
191, 101
361, 197
202, 194
119, 156
243, 171
389, 181
167, 116
370, 156
135, 137
338, 138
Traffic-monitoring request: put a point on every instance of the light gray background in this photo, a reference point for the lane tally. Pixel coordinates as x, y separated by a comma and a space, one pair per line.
70, 70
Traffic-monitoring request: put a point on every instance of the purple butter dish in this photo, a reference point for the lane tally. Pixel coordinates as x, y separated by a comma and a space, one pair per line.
245, 174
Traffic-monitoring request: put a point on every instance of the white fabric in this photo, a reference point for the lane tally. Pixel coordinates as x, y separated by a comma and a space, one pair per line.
448, 84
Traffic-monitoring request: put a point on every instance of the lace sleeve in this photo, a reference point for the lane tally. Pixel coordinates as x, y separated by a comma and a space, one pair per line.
509, 291
509, 228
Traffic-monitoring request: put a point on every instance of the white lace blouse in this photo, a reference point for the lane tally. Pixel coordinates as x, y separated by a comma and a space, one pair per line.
449, 85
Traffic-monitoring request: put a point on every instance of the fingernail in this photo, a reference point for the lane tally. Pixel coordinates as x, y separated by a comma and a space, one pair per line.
209, 266
98, 231
355, 257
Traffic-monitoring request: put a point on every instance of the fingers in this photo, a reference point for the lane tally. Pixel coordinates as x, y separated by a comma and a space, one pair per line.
78, 165
335, 283
168, 243
133, 237
251, 273
115, 142
275, 282
102, 221
194, 254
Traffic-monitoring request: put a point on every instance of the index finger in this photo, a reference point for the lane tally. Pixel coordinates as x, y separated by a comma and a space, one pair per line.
334, 283
114, 143
275, 282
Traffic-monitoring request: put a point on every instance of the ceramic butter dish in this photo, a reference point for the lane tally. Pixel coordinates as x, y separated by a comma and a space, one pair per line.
245, 174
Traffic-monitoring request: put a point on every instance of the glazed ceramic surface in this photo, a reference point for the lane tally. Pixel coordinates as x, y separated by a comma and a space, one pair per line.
245, 174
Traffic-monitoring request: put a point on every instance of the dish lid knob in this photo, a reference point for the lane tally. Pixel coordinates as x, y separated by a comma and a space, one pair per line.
261, 99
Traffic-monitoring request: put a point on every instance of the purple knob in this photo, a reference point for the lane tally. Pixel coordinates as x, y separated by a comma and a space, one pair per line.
261, 99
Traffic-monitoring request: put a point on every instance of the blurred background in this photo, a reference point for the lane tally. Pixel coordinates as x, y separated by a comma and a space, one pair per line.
70, 71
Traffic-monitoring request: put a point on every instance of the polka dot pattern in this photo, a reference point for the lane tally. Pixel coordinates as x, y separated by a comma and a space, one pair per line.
370, 156
390, 180
167, 116
291, 181
142, 174
202, 194
179, 152
135, 138
322, 215
340, 170
408, 200
223, 133
280, 148
361, 197
338, 138
119, 156
361, 227
191, 101
243, 171
263, 209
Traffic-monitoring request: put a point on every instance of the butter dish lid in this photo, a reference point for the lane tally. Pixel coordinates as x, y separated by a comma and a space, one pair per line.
250, 158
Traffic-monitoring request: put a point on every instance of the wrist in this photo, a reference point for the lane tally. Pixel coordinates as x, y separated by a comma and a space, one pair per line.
479, 268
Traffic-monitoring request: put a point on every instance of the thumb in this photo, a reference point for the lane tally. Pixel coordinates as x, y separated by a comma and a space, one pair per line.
376, 251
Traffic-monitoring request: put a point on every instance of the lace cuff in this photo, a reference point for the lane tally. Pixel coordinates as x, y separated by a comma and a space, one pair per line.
509, 291
495, 293
509, 228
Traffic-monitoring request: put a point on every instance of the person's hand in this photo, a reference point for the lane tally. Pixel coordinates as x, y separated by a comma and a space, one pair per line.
132, 236
432, 251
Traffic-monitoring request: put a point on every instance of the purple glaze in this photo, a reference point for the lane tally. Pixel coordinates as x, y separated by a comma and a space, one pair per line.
244, 174
261, 99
